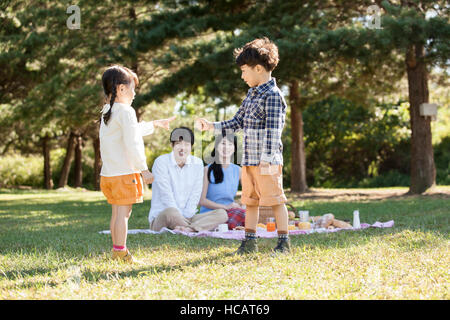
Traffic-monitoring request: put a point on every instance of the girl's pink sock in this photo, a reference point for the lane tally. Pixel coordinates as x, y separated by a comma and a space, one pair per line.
118, 248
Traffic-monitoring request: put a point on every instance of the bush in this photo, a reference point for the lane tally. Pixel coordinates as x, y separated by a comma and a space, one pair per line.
20, 170
350, 145
389, 179
17, 170
347, 144
442, 161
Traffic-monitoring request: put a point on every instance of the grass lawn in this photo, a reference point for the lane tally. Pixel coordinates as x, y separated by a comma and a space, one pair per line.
50, 248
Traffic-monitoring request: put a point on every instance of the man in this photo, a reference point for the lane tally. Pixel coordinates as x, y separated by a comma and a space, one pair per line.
177, 188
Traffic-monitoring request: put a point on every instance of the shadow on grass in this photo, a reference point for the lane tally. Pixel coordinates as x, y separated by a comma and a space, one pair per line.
69, 229
367, 194
94, 276
398, 238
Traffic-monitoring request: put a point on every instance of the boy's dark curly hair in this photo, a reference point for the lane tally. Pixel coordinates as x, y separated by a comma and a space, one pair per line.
259, 51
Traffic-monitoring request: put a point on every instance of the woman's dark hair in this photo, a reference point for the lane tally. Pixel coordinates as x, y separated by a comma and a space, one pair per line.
216, 168
259, 51
111, 78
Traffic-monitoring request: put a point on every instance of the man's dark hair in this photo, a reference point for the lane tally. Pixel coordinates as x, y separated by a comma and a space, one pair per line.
259, 51
182, 133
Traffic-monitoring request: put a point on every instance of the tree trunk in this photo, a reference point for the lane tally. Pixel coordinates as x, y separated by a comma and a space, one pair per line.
423, 170
298, 163
97, 163
67, 161
217, 115
48, 181
78, 161
134, 61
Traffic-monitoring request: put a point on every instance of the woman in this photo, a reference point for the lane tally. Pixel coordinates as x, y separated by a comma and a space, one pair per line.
221, 182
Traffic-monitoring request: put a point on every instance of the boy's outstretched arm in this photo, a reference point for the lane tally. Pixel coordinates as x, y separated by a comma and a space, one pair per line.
235, 123
202, 124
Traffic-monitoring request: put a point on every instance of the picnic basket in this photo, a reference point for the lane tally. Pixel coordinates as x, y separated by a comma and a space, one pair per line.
267, 212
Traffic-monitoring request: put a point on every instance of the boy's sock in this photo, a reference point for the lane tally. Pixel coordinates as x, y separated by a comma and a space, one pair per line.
119, 248
250, 234
283, 235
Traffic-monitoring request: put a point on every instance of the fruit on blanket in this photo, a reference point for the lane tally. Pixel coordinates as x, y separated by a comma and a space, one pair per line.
341, 224
304, 225
261, 225
291, 227
291, 215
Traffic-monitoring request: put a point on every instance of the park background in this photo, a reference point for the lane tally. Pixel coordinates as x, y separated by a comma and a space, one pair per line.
345, 80
354, 74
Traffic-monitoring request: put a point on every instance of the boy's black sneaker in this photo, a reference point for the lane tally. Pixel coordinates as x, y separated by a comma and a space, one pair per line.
248, 245
283, 246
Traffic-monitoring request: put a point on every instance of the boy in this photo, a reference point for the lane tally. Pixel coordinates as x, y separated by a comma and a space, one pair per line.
262, 117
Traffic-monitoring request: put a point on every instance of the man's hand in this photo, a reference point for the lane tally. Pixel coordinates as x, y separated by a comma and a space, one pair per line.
203, 124
164, 123
147, 176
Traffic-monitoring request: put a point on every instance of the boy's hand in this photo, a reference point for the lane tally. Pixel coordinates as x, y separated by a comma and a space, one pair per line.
164, 123
264, 168
203, 124
147, 176
264, 164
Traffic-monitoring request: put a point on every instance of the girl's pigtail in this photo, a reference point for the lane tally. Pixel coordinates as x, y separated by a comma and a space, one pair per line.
107, 115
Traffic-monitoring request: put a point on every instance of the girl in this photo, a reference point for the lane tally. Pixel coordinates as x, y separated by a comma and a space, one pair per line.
221, 181
122, 153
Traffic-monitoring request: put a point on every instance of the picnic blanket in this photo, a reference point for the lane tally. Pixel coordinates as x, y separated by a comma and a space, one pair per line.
260, 232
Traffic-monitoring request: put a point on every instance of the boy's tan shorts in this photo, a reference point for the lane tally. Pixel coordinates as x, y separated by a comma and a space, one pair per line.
123, 190
262, 190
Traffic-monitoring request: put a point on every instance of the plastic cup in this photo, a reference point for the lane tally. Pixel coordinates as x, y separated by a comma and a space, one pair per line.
304, 216
222, 227
271, 224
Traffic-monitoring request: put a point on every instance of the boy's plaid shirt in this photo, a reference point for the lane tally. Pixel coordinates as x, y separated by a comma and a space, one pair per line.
262, 117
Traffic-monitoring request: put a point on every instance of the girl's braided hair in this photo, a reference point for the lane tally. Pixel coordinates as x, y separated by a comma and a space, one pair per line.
111, 78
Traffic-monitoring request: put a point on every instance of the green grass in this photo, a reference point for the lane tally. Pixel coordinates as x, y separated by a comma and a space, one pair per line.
50, 248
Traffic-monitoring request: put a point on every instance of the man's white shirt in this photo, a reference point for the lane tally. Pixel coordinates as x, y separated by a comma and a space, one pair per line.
176, 187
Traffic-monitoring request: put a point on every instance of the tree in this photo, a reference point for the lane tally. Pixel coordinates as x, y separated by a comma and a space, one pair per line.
50, 73
197, 58
423, 42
